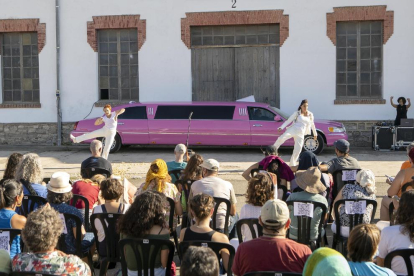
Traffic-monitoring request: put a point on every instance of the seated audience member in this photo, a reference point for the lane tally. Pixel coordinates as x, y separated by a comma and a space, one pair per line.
41, 236
363, 189
407, 164
214, 186
400, 235
308, 159
202, 207
11, 167
60, 192
259, 191
274, 164
273, 251
178, 163
362, 246
199, 261
158, 180
30, 174
309, 181
343, 159
96, 161
403, 177
112, 191
5, 262
88, 189
145, 219
11, 196
193, 172
325, 261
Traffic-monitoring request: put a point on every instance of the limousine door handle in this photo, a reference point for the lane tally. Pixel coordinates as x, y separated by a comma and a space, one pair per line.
120, 123
257, 125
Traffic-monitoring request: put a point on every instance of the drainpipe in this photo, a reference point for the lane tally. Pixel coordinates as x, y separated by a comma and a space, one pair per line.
59, 111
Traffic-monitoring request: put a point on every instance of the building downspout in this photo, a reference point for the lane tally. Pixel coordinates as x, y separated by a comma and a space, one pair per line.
59, 111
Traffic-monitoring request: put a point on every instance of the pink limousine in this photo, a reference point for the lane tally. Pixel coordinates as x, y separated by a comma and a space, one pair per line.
213, 124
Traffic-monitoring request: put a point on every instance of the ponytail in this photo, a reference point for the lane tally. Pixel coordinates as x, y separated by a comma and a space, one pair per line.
9, 190
302, 103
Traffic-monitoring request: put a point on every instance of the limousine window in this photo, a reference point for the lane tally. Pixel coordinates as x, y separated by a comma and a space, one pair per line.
136, 112
260, 114
200, 112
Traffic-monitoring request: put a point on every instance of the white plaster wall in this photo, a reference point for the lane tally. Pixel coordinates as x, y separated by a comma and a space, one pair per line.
307, 58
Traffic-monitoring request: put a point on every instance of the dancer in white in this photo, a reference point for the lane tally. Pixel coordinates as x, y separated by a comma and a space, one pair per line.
108, 131
302, 123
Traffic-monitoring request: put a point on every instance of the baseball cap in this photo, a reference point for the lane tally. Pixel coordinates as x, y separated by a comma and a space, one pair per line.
211, 164
342, 145
181, 148
274, 213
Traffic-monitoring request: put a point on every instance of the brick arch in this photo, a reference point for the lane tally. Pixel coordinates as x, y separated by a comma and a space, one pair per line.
234, 18
116, 22
364, 13
25, 25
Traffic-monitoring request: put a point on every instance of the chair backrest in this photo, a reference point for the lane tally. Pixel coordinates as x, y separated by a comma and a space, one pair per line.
29, 274
109, 223
12, 234
215, 246
176, 174
74, 201
354, 219
78, 240
391, 213
30, 203
218, 201
304, 220
272, 273
405, 254
339, 183
88, 173
145, 252
250, 222
172, 213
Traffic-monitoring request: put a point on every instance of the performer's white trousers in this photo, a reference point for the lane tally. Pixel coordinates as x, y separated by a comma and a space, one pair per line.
299, 138
109, 135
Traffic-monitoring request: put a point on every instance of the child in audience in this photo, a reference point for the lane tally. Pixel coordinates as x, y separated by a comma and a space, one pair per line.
199, 261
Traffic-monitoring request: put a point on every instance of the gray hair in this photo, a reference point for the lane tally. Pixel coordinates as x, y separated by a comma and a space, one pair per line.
95, 146
30, 169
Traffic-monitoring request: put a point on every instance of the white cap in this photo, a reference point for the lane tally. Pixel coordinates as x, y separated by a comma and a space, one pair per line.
274, 213
181, 148
211, 165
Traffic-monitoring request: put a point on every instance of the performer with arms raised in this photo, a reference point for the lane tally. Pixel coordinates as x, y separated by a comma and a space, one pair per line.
401, 109
108, 131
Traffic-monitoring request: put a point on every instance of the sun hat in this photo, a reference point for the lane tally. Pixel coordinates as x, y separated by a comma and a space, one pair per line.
211, 165
181, 148
342, 145
59, 183
310, 181
274, 213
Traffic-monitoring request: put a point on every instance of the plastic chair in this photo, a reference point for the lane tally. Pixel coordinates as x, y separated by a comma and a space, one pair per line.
215, 246
218, 201
78, 240
272, 273
339, 183
112, 237
145, 252
250, 222
186, 187
173, 231
305, 227
354, 220
31, 203
405, 254
391, 213
176, 173
88, 173
73, 203
13, 233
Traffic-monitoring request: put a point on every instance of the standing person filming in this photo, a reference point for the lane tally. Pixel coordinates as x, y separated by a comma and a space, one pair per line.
301, 124
108, 131
402, 109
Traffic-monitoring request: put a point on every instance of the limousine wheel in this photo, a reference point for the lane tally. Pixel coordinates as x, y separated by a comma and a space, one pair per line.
116, 145
313, 146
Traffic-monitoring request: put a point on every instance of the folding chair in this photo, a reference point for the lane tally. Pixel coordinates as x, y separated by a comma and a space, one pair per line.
251, 223
405, 254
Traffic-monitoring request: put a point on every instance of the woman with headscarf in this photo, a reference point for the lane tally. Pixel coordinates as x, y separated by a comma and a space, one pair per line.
158, 180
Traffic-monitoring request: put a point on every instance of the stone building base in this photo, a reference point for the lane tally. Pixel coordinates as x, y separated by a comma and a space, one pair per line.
359, 133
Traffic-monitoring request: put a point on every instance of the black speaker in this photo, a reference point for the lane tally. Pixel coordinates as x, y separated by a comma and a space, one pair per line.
384, 137
405, 134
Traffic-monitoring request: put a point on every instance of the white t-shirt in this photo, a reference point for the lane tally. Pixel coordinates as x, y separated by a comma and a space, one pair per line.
110, 123
98, 224
392, 239
249, 211
216, 187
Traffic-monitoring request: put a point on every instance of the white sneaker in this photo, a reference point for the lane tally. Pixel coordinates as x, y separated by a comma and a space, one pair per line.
72, 138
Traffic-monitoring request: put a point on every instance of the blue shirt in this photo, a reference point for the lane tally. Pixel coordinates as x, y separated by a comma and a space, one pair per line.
40, 190
172, 165
5, 223
369, 268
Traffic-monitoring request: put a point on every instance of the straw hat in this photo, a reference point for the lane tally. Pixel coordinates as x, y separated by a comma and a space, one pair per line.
310, 181
59, 183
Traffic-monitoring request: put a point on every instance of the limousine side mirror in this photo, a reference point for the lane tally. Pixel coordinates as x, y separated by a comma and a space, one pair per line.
278, 118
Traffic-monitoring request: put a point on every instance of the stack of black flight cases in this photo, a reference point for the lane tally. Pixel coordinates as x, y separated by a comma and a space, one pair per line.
386, 137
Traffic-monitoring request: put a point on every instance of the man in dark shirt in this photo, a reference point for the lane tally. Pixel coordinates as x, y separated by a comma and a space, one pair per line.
96, 161
343, 159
